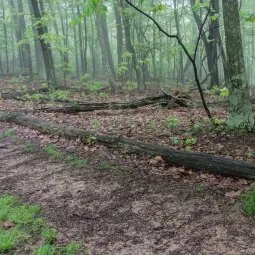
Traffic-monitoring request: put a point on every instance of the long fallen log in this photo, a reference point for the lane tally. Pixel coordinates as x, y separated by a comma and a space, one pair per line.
93, 106
190, 160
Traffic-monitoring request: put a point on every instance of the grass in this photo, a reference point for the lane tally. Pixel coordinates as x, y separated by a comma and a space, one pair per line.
70, 159
8, 133
51, 96
30, 147
249, 203
22, 228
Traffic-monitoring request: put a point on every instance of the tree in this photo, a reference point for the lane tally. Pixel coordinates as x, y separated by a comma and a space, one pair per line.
240, 107
180, 43
45, 45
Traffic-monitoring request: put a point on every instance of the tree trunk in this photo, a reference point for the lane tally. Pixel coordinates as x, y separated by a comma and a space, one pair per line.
208, 49
240, 107
45, 46
129, 46
213, 38
119, 31
27, 56
104, 41
177, 24
189, 160
164, 99
5, 39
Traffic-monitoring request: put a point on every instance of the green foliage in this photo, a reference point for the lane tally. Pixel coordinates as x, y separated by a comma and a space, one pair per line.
123, 66
197, 127
85, 78
72, 248
205, 4
249, 203
8, 239
37, 97
70, 159
94, 87
175, 140
59, 95
30, 147
190, 141
248, 16
199, 188
25, 228
19, 216
131, 86
90, 140
103, 96
46, 249
159, 8
250, 153
75, 161
224, 92
219, 122
173, 122
52, 96
8, 133
95, 123
49, 235
18, 80
53, 152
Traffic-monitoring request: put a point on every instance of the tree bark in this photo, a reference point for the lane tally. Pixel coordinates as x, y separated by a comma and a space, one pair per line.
189, 160
119, 31
164, 99
129, 46
240, 107
46, 47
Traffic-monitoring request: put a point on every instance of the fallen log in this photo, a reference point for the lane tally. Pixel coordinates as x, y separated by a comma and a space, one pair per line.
190, 160
93, 106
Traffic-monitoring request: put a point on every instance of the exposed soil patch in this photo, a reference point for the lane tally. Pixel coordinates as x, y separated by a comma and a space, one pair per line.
118, 205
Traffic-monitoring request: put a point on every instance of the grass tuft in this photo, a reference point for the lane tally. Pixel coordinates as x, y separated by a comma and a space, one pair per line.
249, 203
21, 228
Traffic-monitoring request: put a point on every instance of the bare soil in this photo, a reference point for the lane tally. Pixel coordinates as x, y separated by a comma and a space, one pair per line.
118, 205
121, 204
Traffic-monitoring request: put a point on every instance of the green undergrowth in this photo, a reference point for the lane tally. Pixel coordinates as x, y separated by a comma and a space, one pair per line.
24, 231
248, 200
8, 133
71, 159
53, 95
55, 154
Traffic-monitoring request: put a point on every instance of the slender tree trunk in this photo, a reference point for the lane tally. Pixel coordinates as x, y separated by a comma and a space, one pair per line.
75, 45
119, 29
129, 46
208, 49
5, 38
27, 55
178, 30
80, 40
46, 47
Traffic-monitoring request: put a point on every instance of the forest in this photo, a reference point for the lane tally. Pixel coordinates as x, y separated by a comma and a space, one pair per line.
127, 127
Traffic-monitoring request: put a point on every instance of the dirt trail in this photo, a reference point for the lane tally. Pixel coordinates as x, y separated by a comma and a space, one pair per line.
127, 210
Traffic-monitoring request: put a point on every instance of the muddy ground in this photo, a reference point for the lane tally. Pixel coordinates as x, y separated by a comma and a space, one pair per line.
117, 205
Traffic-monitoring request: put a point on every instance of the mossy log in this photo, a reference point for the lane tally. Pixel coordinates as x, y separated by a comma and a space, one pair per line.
190, 160
93, 106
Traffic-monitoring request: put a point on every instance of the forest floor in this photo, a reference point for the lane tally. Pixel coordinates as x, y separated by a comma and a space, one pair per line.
120, 204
